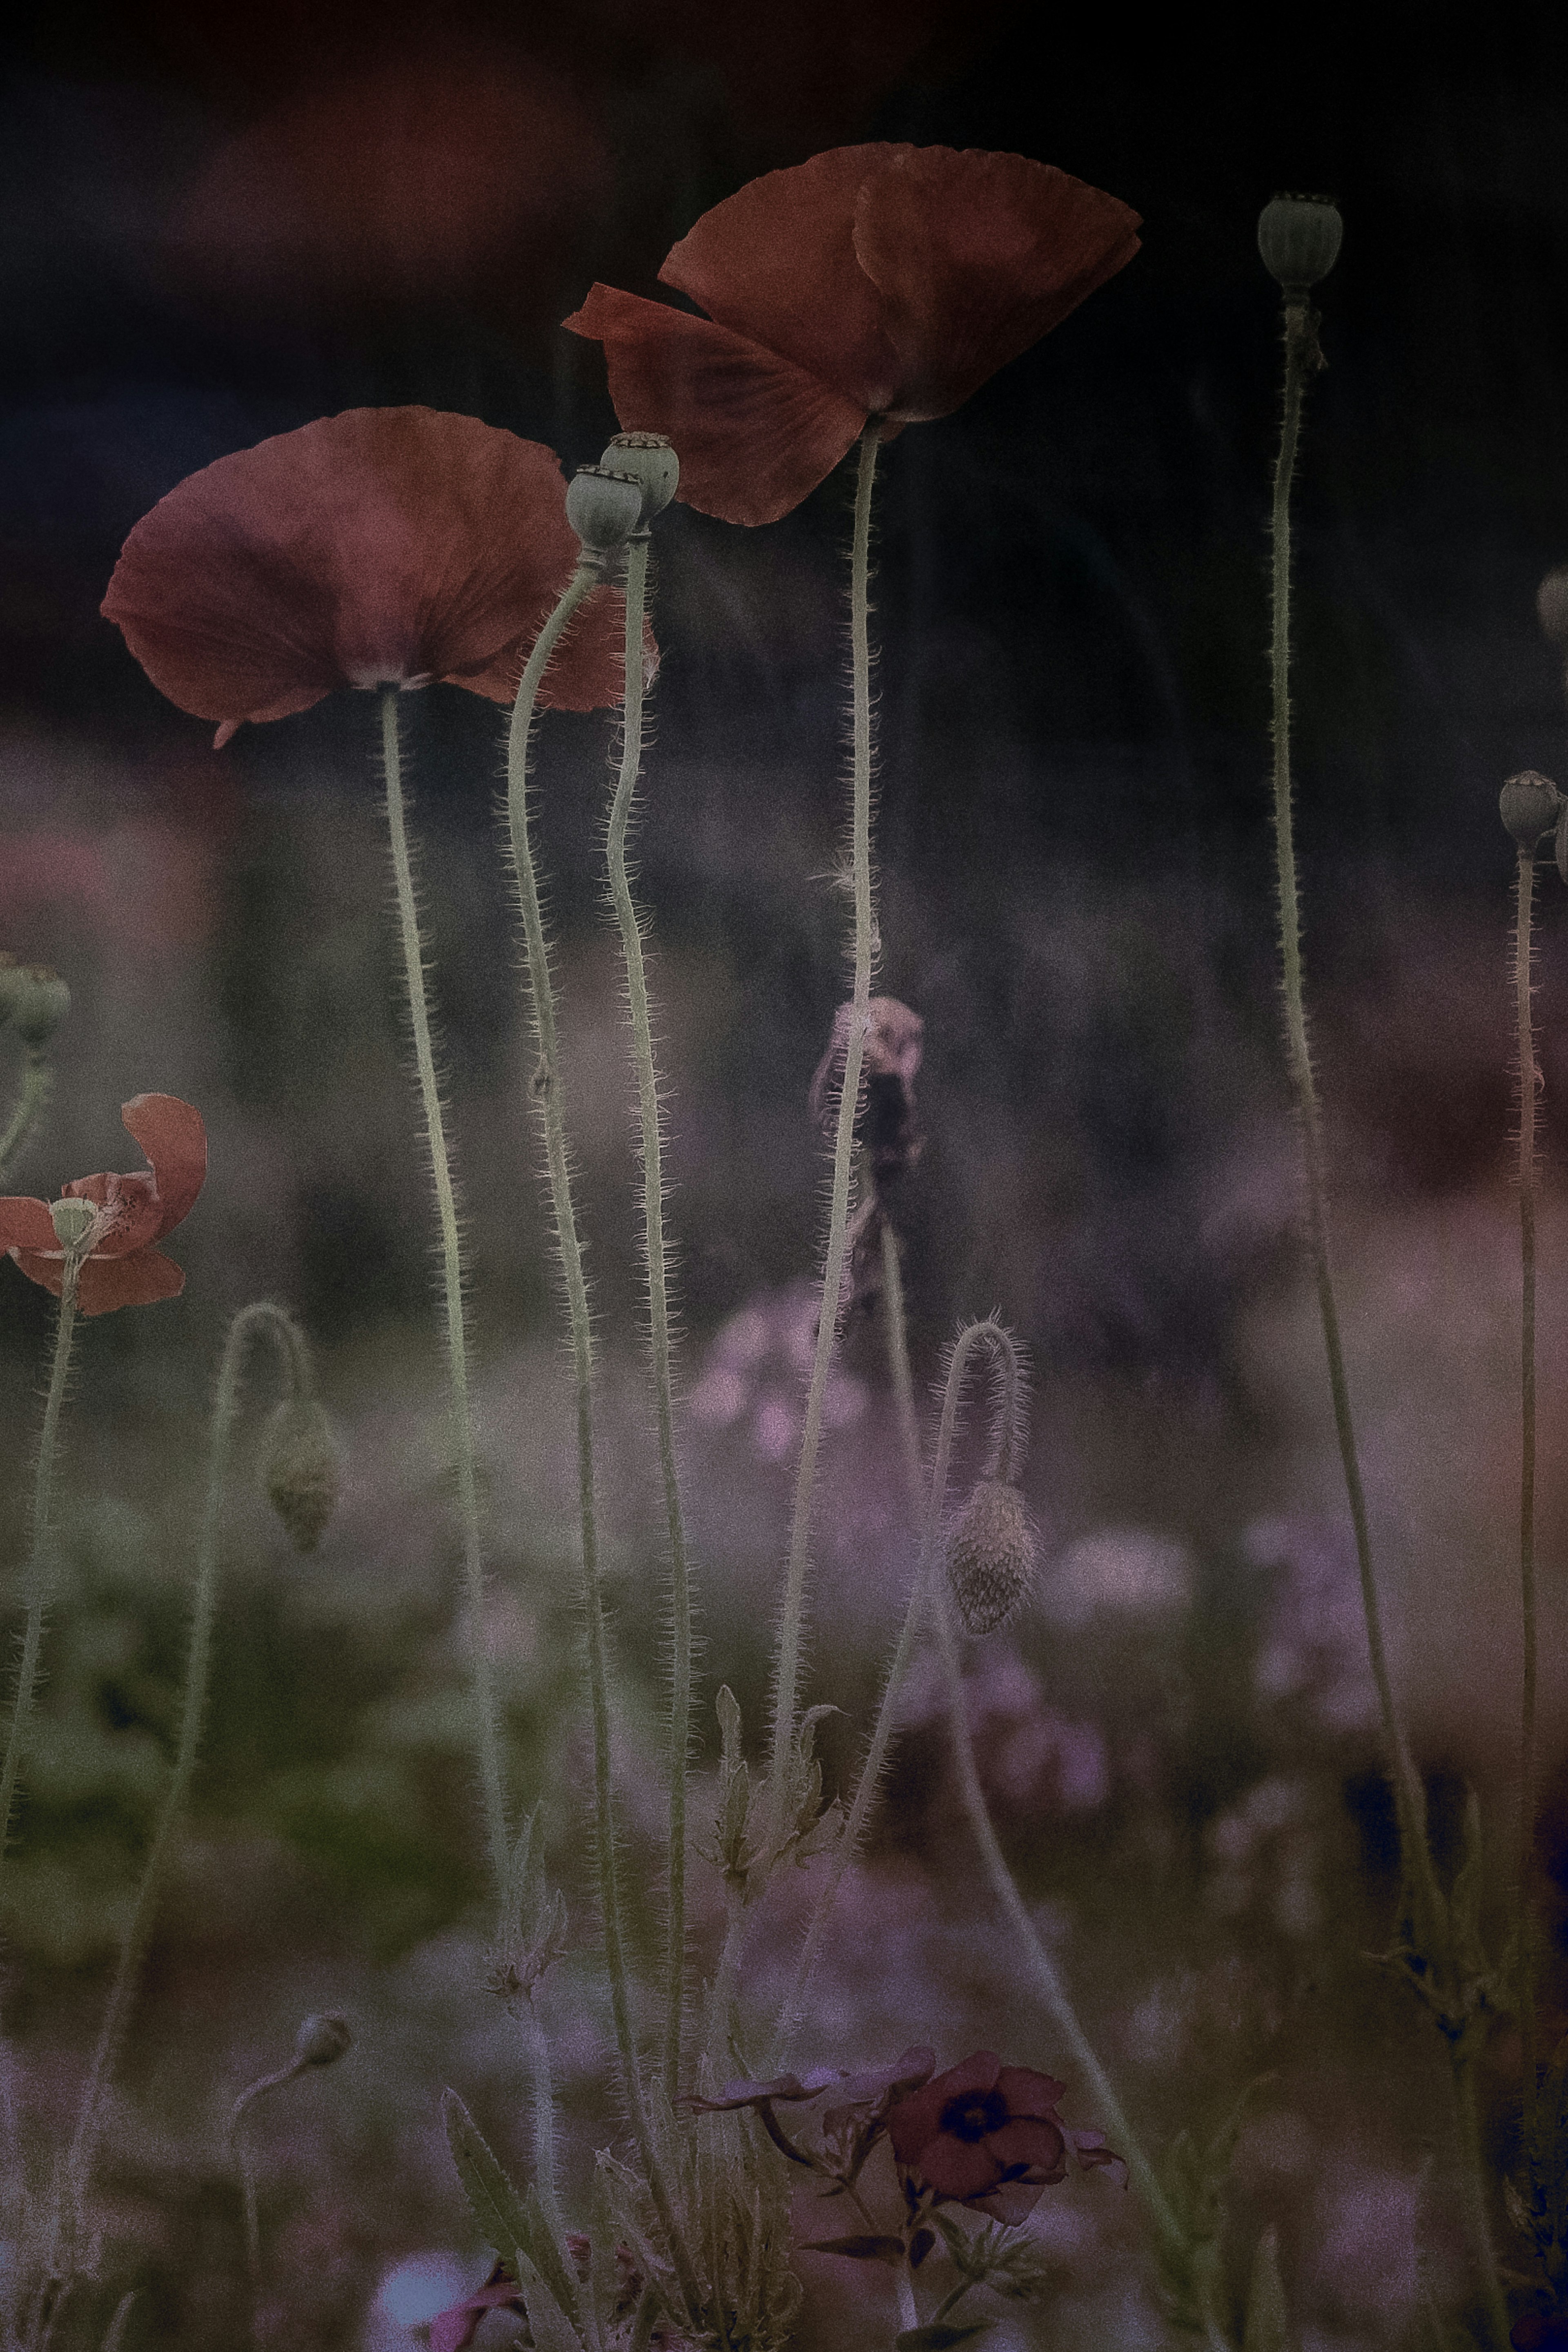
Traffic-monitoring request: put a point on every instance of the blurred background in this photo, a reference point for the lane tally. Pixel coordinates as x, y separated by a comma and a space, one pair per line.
216, 225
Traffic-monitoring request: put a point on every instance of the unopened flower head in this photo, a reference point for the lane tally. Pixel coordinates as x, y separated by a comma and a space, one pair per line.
34, 998
302, 1470
322, 2039
1299, 238
991, 1557
1528, 804
603, 508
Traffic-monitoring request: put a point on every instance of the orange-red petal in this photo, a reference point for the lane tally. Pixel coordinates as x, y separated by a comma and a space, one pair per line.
586, 670
975, 256
381, 546
777, 263
26, 1225
174, 1140
138, 1280
754, 432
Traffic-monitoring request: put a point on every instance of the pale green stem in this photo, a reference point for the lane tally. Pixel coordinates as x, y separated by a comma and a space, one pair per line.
787, 1648
903, 1378
1529, 1079
989, 1335
657, 1258
1472, 2175
38, 1576
38, 1084
723, 1993
290, 1342
543, 2084
486, 1722
117, 2325
547, 1093
1301, 353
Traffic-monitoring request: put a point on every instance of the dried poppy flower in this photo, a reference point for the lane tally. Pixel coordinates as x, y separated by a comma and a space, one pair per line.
120, 1267
879, 281
988, 2136
384, 547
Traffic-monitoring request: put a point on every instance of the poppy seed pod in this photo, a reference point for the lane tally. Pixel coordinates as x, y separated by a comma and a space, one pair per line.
72, 1222
991, 1557
1528, 804
1552, 605
603, 508
1299, 238
34, 998
323, 2038
649, 459
300, 1468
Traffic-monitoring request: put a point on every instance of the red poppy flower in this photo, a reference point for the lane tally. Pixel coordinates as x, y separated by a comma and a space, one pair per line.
872, 281
387, 546
988, 2136
121, 1267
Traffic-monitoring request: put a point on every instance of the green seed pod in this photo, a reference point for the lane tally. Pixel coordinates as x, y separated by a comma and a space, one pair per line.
649, 459
991, 1557
1299, 238
323, 2038
36, 999
1529, 805
300, 1468
603, 508
1551, 607
72, 1222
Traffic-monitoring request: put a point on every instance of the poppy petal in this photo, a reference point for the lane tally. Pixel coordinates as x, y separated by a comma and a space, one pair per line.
1025, 2146
48, 1269
26, 1225
914, 2121
137, 1280
587, 670
777, 263
977, 257
128, 1212
754, 432
174, 1140
377, 547
957, 2168
1029, 2094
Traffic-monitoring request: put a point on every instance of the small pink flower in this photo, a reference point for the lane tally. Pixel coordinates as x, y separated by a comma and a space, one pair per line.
989, 2135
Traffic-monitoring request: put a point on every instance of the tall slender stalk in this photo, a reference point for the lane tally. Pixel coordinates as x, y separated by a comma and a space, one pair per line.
549, 1098
486, 1724
1529, 1081
38, 1084
655, 1256
37, 1583
263, 1316
788, 1641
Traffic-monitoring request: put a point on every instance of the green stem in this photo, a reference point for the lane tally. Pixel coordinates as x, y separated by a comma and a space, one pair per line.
38, 1576
656, 1261
723, 1993
38, 1084
290, 1341
903, 1377
548, 1095
1529, 1079
543, 2085
486, 1727
1301, 353
787, 1652
1472, 2174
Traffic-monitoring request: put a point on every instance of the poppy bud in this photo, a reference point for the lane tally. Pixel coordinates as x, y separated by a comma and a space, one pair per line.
1552, 605
1528, 804
34, 998
603, 508
301, 1466
72, 1222
991, 1557
1299, 238
649, 459
323, 2038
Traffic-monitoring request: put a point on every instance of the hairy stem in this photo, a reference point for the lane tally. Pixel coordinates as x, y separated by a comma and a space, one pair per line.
38, 1084
549, 1099
903, 1378
39, 1574
263, 1316
486, 1722
1529, 1084
787, 1646
651, 1148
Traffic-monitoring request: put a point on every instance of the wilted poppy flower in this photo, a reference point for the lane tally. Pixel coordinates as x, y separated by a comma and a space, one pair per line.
989, 2135
879, 281
120, 1267
384, 547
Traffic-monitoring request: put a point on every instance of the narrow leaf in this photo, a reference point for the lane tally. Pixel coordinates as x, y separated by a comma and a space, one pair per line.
496, 2207
864, 2248
547, 2324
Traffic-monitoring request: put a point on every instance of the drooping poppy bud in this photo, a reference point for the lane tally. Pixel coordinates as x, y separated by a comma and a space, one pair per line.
34, 998
322, 2039
603, 508
649, 458
1528, 804
1299, 238
301, 1469
991, 1557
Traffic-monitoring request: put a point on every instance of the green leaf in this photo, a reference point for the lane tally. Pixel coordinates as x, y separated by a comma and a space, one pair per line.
1268, 2327
547, 2324
864, 2248
496, 2203
545, 2257
937, 2335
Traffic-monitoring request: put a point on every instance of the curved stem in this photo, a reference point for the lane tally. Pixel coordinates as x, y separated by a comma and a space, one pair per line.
486, 1727
1300, 354
38, 1576
1528, 1083
656, 1262
38, 1084
290, 1341
787, 1650
549, 1100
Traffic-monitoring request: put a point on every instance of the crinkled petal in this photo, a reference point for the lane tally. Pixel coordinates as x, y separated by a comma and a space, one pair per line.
957, 2168
912, 2122
1091, 2155
1029, 2094
777, 263
587, 670
754, 432
1030, 2149
138, 1280
174, 1140
128, 1215
977, 257
26, 1225
381, 546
